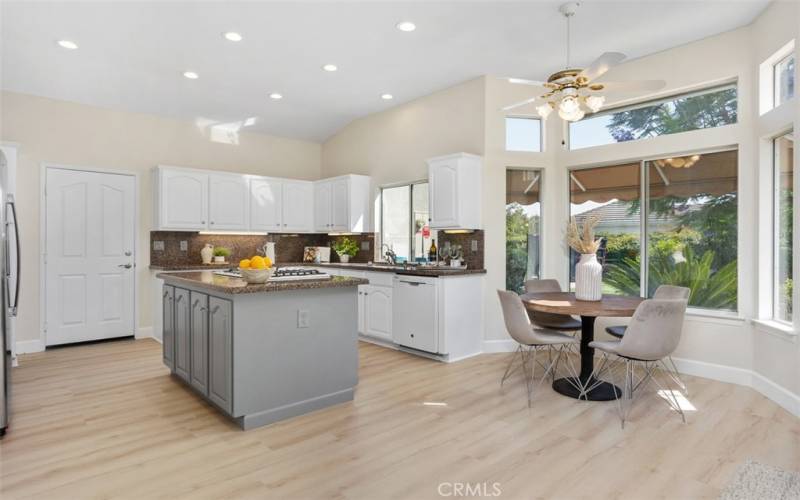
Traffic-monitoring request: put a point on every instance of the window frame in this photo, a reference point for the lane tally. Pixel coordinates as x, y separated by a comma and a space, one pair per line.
410, 214
541, 173
776, 231
766, 78
639, 104
523, 117
644, 214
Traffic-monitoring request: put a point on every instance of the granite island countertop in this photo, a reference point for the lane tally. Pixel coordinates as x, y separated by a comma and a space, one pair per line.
191, 267
224, 284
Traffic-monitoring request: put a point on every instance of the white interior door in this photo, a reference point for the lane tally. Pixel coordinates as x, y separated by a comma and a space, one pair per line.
89, 260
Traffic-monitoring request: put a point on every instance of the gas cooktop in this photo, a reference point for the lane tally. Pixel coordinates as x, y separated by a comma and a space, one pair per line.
283, 274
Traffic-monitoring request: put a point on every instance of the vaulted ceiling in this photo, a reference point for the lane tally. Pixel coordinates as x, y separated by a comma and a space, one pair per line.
132, 55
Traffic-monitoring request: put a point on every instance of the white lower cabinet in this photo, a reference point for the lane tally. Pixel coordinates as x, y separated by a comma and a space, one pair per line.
376, 311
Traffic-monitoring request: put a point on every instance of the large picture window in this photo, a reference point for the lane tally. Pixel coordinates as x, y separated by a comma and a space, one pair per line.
689, 225
404, 221
523, 227
783, 148
708, 108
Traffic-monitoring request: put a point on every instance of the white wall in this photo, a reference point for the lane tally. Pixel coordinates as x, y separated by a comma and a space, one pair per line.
74, 134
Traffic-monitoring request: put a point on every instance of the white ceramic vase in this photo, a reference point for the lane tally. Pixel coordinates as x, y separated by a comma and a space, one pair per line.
588, 278
207, 253
344, 258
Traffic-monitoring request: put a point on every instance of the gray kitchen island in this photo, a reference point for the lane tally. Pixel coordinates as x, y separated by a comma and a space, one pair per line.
262, 352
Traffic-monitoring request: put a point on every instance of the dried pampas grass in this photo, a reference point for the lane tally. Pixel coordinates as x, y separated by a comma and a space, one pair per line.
581, 239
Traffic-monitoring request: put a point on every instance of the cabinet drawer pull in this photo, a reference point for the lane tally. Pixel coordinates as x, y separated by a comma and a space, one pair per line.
165, 294
196, 301
214, 311
179, 299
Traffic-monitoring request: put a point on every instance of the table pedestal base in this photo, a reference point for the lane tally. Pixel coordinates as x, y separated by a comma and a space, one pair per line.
603, 392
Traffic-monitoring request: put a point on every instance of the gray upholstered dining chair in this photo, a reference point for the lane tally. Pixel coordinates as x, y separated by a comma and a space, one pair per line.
662, 292
532, 339
652, 335
563, 322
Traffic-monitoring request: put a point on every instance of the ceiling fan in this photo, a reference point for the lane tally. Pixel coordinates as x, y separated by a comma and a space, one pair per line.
574, 91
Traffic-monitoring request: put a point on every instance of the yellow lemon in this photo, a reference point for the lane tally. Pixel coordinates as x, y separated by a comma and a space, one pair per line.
257, 262
267, 262
244, 263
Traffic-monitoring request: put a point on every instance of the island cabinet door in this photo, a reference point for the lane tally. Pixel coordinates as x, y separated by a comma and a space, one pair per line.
199, 342
168, 326
220, 353
182, 323
378, 312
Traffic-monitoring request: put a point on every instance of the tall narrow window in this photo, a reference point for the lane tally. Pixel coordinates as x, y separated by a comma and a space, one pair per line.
523, 134
783, 148
611, 194
783, 76
523, 226
404, 221
692, 227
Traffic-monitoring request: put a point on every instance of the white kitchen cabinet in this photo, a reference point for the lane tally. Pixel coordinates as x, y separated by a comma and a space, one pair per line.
298, 206
342, 204
377, 311
266, 204
181, 198
454, 191
228, 199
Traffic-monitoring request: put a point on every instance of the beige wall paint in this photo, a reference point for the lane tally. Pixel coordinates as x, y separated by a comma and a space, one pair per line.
74, 134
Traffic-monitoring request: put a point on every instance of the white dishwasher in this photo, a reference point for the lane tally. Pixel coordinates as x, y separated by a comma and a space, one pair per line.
414, 319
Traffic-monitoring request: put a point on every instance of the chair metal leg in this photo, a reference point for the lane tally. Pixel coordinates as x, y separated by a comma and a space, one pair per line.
511, 368
676, 376
672, 399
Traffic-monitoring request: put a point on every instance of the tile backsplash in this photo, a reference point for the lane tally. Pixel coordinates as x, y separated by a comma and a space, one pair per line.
288, 247
472, 257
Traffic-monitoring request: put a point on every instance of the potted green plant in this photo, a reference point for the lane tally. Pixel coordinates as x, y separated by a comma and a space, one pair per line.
345, 248
220, 253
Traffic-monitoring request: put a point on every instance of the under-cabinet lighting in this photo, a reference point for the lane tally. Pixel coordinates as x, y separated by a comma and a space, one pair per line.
458, 231
342, 234
234, 233
434, 403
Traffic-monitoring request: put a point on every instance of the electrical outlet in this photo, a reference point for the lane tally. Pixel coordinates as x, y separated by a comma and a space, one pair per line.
158, 246
365, 245
303, 318
474, 245
184, 246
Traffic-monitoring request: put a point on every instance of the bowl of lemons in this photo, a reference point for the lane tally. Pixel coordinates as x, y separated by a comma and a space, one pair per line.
256, 269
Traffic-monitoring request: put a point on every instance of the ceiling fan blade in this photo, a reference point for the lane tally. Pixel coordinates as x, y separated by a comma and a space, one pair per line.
602, 64
522, 81
633, 86
520, 104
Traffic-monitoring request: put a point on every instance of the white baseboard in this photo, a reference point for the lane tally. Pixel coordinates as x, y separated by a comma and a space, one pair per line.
29, 346
144, 332
733, 375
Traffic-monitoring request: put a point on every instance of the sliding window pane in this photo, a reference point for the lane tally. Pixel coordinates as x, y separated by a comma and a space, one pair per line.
612, 195
523, 224
784, 194
422, 232
705, 109
692, 227
396, 220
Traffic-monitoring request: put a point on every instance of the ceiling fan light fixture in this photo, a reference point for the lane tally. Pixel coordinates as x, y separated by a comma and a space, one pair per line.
595, 102
571, 116
544, 111
569, 105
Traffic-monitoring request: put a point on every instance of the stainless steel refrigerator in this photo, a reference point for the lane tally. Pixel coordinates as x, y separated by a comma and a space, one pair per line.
9, 289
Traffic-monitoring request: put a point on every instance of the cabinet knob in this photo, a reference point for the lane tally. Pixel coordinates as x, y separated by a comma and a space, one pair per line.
202, 222
412, 335
212, 222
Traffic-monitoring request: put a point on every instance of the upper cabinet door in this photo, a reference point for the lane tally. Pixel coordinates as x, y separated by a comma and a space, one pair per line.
322, 206
443, 194
266, 204
229, 205
340, 205
183, 199
298, 206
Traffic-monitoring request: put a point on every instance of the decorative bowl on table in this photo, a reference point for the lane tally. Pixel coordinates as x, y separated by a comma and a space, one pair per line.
257, 275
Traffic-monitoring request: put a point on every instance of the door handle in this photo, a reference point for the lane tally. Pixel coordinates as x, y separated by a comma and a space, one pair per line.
11, 203
126, 266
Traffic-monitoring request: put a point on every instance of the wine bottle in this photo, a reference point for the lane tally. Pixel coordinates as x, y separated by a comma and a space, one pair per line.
432, 252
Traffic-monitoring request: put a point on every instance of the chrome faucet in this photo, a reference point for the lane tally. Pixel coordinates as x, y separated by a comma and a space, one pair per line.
390, 256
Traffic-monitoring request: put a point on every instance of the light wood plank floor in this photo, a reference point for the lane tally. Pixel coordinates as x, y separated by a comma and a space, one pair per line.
107, 420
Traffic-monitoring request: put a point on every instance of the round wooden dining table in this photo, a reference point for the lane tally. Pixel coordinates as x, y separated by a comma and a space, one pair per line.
566, 303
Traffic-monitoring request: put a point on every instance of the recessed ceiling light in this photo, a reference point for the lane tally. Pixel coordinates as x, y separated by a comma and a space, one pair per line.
330, 67
387, 97
191, 75
233, 36
275, 96
406, 26
68, 44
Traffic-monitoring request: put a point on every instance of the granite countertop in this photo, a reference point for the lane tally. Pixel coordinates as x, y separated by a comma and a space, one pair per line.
435, 272
191, 267
224, 284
